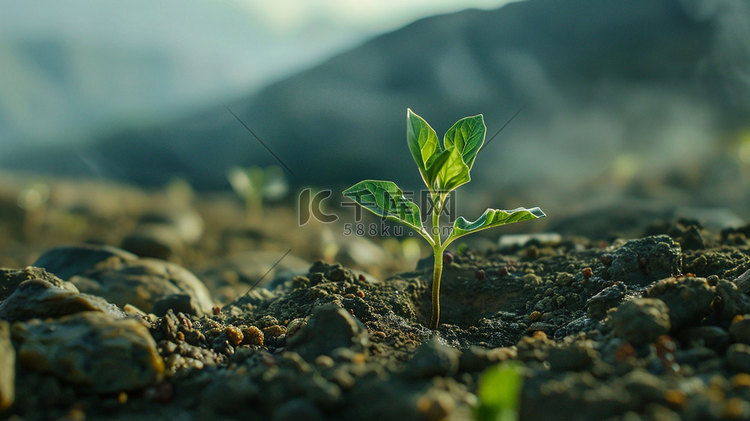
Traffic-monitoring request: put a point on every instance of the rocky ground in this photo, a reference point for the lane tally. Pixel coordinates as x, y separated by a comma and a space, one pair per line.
117, 303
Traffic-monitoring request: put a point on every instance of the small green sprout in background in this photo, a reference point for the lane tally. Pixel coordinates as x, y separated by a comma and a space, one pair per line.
443, 168
499, 392
253, 184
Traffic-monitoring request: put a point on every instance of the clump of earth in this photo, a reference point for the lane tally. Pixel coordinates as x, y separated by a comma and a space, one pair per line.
178, 308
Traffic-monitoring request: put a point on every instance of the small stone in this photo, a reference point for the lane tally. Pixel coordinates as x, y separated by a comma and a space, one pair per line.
274, 330
330, 327
688, 298
43, 295
253, 336
92, 351
234, 335
142, 283
179, 303
535, 315
630, 265
324, 361
479, 274
712, 337
609, 297
433, 358
574, 357
640, 321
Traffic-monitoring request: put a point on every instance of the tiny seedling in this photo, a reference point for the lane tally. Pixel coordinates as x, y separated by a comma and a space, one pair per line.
444, 167
253, 184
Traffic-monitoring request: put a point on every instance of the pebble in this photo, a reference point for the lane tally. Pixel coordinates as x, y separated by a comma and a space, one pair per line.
689, 299
179, 303
712, 337
433, 358
640, 321
598, 305
7, 367
234, 335
253, 336
328, 328
572, 357
142, 283
642, 261
43, 295
67, 261
92, 351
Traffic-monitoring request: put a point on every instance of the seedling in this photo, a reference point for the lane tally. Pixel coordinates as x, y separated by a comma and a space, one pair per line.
253, 184
444, 167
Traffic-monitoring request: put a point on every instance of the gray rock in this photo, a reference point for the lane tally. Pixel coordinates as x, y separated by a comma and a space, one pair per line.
7, 367
738, 357
689, 299
330, 327
179, 303
712, 337
154, 240
571, 357
607, 298
92, 351
641, 321
732, 302
43, 295
642, 261
142, 283
433, 358
67, 261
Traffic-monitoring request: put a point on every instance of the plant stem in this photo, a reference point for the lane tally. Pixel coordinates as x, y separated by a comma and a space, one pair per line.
438, 265
437, 272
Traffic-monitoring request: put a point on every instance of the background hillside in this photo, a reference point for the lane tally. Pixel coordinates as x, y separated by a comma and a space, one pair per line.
616, 96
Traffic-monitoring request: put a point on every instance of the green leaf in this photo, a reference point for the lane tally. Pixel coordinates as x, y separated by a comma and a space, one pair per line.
385, 199
499, 392
453, 172
492, 218
424, 146
467, 135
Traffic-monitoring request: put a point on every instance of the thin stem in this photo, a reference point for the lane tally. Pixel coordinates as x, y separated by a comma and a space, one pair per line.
436, 274
438, 265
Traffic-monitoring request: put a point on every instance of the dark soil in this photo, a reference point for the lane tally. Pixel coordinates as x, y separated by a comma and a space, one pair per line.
655, 327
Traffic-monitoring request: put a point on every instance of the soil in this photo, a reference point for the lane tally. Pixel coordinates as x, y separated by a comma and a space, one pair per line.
652, 327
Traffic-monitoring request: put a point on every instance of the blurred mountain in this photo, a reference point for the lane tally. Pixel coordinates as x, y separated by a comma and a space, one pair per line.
75, 69
607, 87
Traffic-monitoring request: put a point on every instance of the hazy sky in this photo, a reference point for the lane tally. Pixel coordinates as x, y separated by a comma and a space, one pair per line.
69, 65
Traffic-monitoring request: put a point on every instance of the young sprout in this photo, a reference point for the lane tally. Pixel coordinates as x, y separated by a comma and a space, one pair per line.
444, 167
253, 184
